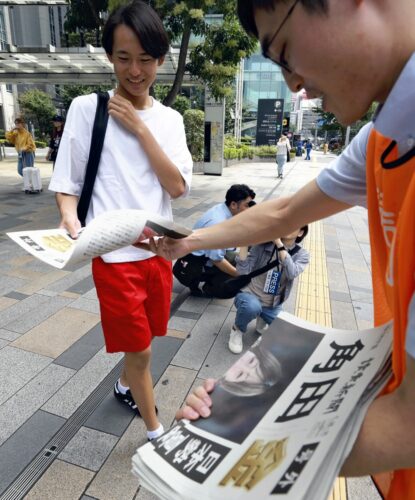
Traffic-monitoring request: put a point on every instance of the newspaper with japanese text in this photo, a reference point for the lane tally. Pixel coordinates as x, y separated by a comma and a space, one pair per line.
109, 231
284, 418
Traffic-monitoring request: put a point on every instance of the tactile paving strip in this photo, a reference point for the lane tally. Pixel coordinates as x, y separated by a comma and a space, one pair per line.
313, 304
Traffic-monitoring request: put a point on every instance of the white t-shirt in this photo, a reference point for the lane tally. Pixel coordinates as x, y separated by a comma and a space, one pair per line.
125, 178
283, 147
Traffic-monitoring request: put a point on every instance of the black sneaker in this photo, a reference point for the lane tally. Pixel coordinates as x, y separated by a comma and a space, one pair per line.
127, 399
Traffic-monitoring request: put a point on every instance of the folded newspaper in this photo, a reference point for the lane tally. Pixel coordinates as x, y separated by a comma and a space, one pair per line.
109, 231
284, 418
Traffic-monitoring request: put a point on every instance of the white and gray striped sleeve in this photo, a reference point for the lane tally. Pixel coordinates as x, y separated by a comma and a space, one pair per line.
345, 178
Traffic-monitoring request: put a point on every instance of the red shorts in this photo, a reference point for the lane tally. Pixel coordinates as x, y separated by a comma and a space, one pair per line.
134, 299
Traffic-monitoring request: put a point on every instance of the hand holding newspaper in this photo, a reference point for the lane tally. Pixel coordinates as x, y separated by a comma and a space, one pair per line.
107, 232
284, 418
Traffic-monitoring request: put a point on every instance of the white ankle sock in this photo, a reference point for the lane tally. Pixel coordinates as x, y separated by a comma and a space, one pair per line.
156, 433
122, 388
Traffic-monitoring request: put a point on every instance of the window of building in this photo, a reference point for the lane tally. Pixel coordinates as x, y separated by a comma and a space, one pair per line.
52, 26
3, 37
60, 21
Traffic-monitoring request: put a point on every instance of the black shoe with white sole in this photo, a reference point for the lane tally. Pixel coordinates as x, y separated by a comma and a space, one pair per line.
127, 399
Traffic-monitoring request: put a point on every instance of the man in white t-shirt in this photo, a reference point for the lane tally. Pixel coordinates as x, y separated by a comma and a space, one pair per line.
144, 163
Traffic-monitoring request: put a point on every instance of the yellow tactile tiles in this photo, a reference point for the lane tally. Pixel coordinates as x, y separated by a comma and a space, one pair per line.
339, 491
313, 301
313, 304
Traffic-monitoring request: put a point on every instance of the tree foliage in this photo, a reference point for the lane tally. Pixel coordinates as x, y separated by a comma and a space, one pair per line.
69, 92
336, 129
216, 58
218, 43
330, 124
84, 15
182, 102
195, 135
37, 106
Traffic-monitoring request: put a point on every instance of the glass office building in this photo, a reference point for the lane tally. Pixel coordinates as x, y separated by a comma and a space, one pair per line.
262, 80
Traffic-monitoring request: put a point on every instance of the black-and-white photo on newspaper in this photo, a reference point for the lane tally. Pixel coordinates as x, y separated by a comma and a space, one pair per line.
284, 418
252, 385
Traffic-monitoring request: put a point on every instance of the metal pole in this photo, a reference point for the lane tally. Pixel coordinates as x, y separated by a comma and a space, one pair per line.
346, 142
239, 101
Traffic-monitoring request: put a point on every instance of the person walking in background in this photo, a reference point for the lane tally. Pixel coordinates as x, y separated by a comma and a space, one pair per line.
144, 163
58, 126
283, 148
325, 148
263, 297
299, 148
24, 144
308, 148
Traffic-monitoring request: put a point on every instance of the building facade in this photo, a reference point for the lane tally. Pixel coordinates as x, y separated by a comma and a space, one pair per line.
27, 26
262, 79
8, 93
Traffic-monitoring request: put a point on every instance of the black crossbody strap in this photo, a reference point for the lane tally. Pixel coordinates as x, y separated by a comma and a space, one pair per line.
272, 264
97, 143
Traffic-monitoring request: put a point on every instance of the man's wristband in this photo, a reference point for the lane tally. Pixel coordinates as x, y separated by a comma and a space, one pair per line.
280, 249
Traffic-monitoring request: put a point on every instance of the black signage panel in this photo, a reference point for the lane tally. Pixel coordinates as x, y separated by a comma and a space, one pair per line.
269, 121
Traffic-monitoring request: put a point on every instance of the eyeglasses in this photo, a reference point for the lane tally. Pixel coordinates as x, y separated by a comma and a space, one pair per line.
267, 43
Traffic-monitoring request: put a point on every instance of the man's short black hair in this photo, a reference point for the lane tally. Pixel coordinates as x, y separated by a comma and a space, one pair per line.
246, 10
145, 23
237, 193
299, 239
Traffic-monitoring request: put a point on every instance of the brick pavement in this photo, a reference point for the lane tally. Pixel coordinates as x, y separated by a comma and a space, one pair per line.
59, 422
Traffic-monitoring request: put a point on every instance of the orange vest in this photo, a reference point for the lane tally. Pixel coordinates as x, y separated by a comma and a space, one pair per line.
391, 211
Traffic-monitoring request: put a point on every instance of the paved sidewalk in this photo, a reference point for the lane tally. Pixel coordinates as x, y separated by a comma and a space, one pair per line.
62, 434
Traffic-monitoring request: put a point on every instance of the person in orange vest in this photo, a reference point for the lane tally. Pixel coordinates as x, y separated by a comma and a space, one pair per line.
377, 170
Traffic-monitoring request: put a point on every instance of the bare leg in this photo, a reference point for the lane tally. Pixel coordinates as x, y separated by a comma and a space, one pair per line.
138, 378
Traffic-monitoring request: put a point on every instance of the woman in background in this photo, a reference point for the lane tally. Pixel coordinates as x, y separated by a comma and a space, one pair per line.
24, 144
283, 148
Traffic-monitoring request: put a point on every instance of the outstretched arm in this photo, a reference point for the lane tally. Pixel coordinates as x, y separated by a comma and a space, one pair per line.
264, 222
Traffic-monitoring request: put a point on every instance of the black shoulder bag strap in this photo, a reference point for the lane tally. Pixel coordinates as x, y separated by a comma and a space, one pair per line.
267, 267
272, 264
97, 143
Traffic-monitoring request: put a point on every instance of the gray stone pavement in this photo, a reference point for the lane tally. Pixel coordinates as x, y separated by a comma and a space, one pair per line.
62, 434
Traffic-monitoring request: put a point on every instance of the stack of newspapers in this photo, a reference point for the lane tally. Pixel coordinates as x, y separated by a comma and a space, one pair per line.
284, 418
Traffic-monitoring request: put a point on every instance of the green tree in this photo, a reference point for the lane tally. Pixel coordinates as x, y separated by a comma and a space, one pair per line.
84, 15
365, 119
215, 60
69, 92
330, 124
334, 128
37, 106
195, 135
182, 102
218, 46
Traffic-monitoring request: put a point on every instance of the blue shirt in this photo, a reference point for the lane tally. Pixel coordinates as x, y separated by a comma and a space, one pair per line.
214, 215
